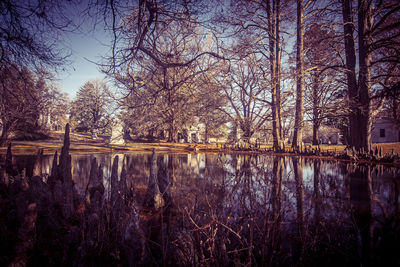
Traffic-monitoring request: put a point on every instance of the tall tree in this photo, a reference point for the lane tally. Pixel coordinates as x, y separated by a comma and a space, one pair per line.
30, 39
54, 104
174, 84
273, 16
299, 116
324, 90
260, 21
212, 102
19, 101
92, 107
378, 28
245, 92
166, 37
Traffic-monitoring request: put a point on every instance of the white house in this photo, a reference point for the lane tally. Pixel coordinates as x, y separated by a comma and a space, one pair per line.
384, 130
191, 134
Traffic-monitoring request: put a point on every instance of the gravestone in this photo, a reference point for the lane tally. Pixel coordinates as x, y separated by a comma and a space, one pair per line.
117, 133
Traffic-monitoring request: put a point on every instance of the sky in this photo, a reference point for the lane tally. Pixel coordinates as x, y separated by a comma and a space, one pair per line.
85, 47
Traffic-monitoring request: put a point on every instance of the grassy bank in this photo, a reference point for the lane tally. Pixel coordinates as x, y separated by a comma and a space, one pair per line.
82, 143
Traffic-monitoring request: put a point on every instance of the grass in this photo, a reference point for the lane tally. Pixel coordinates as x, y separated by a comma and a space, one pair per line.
386, 147
82, 143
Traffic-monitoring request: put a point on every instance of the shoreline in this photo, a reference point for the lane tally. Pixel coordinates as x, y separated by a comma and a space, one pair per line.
49, 147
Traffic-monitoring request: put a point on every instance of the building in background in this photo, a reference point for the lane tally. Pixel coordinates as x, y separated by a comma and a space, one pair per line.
385, 130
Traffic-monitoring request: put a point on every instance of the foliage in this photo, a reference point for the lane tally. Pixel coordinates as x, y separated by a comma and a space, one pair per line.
54, 104
20, 101
92, 107
30, 42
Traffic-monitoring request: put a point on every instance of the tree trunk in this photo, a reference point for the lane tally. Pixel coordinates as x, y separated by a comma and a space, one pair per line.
246, 128
315, 98
359, 94
274, 56
315, 137
172, 135
278, 67
350, 52
298, 123
4, 135
93, 129
365, 21
394, 108
206, 133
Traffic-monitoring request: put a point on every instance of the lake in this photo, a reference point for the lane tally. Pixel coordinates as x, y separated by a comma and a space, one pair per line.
232, 209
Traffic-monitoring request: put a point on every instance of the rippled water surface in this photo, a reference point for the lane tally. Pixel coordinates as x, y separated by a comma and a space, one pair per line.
262, 210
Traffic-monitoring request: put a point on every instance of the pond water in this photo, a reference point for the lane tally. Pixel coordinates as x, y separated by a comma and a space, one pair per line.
262, 210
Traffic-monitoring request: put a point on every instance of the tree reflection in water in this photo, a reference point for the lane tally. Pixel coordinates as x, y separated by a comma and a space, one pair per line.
222, 209
360, 198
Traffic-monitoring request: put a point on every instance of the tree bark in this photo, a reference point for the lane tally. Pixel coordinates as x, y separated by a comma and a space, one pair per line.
206, 133
172, 135
298, 123
4, 135
278, 69
315, 137
358, 92
316, 117
350, 68
365, 21
246, 128
273, 25
350, 52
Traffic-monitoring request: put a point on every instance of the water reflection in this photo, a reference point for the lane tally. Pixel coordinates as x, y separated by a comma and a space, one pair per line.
222, 209
361, 210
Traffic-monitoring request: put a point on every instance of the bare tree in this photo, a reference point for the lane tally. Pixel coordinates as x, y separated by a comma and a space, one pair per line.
170, 95
54, 104
260, 22
30, 40
298, 121
157, 42
30, 32
19, 101
92, 107
245, 94
324, 87
134, 26
378, 30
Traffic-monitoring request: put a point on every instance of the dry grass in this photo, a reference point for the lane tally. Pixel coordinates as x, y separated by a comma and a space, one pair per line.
82, 143
387, 147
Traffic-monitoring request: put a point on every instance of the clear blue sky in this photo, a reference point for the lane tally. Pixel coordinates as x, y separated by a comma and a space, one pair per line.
84, 48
